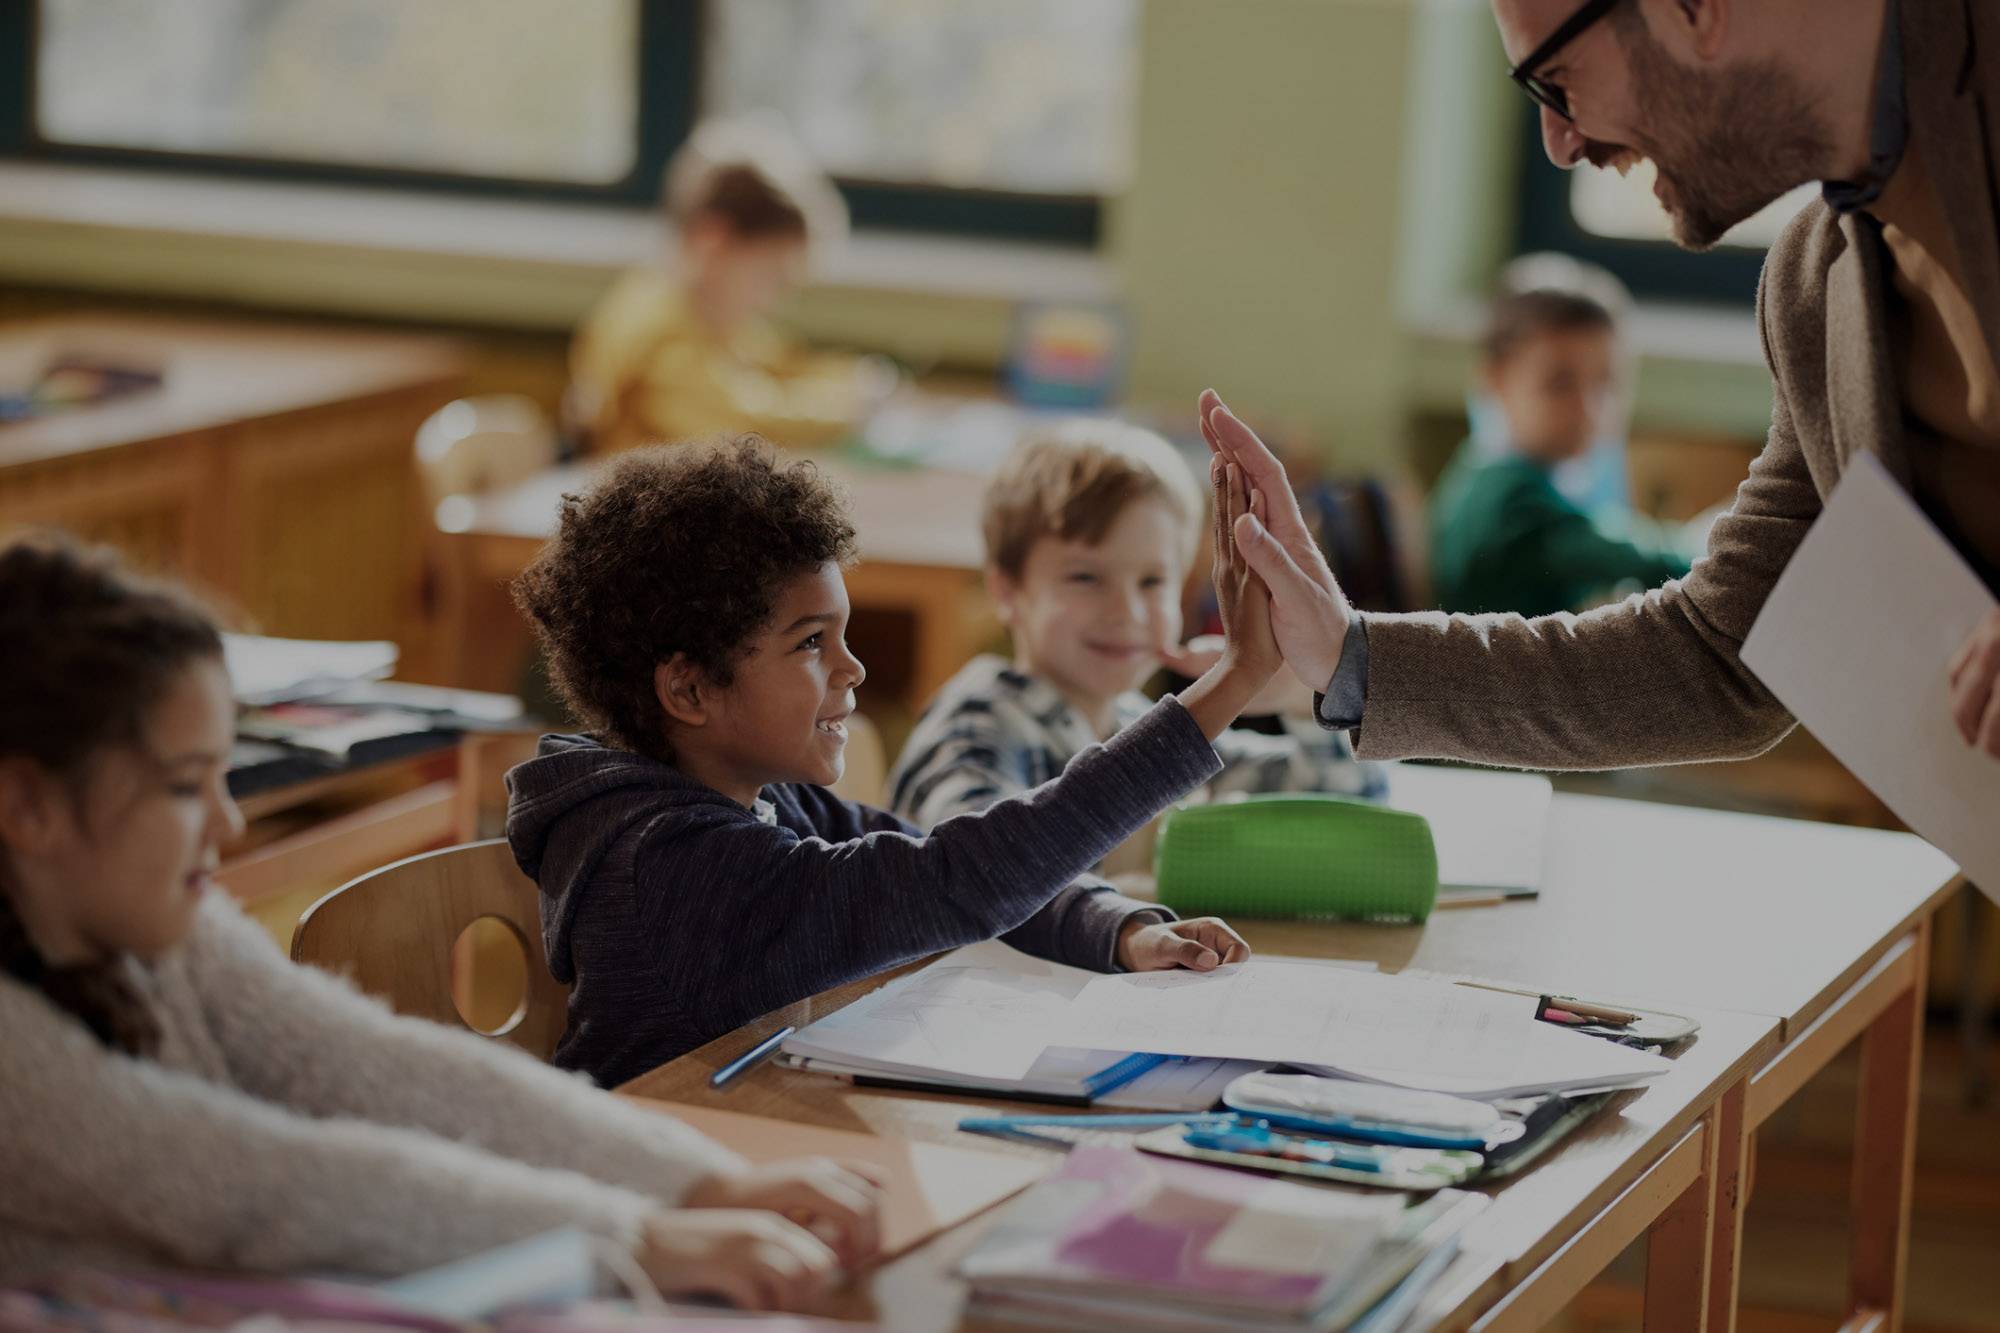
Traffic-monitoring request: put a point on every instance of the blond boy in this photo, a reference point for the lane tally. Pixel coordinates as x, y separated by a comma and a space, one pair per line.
1091, 528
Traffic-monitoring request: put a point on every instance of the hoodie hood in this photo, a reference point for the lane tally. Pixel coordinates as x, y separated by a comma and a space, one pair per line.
569, 806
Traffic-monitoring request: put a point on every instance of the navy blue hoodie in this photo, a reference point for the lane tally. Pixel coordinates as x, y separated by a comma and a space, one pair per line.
676, 915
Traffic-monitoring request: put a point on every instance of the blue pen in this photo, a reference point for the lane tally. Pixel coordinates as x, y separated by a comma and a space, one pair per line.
766, 1047
1257, 1140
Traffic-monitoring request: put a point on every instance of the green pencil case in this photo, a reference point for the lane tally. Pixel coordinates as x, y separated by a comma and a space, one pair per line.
1296, 856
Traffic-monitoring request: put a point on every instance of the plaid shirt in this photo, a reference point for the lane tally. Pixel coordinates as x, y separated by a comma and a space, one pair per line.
994, 730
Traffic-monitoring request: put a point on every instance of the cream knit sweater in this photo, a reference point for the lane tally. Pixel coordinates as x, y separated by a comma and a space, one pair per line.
290, 1123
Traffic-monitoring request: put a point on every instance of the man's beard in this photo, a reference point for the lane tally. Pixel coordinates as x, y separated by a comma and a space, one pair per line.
1729, 142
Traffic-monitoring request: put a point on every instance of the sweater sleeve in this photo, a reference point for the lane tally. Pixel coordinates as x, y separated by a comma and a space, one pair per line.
818, 913
307, 1040
104, 1149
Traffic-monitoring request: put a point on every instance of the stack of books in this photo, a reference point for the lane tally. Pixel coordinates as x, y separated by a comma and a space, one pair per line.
1119, 1239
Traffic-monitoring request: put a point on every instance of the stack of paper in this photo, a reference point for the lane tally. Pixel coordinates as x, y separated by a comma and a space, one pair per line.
1118, 1239
988, 1018
273, 671
1403, 1031
991, 1018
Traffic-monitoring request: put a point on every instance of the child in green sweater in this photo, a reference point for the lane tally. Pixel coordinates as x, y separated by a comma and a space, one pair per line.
1502, 536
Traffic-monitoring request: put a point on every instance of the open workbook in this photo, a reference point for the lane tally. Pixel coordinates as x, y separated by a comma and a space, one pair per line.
990, 1017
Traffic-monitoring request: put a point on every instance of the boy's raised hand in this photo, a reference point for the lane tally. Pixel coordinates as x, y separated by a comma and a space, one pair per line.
1309, 613
1200, 945
1250, 655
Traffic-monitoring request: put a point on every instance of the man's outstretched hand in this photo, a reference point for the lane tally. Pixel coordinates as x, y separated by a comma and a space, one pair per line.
1309, 613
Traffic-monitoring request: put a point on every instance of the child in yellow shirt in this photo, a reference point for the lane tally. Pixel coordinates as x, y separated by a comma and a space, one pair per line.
687, 350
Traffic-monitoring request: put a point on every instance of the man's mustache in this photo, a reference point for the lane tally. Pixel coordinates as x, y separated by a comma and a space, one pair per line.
1599, 153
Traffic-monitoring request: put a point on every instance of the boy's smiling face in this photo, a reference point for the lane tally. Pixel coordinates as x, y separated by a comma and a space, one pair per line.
782, 717
1092, 619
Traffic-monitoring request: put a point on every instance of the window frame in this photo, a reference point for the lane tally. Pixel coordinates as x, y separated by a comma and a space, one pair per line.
671, 39
1653, 270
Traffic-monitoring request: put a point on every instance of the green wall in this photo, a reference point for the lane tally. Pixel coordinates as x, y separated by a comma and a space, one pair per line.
1254, 246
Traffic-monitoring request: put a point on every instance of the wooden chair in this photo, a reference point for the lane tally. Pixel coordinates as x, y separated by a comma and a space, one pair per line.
479, 444
395, 931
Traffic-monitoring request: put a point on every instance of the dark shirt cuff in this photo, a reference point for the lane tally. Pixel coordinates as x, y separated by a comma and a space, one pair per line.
1339, 709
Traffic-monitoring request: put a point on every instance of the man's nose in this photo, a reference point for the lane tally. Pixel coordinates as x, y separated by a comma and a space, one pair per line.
1561, 139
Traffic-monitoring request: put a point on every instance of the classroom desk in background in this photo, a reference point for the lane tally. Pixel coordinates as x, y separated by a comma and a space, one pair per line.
321, 829
1786, 939
921, 556
272, 466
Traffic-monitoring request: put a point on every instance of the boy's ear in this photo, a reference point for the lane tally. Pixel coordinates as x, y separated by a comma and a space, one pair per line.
27, 810
682, 691
1001, 587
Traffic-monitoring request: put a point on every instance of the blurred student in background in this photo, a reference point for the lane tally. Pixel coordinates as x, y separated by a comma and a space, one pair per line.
684, 347
1532, 515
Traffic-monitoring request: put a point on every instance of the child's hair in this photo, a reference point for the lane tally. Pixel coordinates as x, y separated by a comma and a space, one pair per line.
1517, 319
751, 175
87, 649
1074, 479
1551, 293
679, 549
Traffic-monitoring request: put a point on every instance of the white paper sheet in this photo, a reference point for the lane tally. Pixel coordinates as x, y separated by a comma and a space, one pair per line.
1402, 1030
1856, 639
1491, 829
986, 1011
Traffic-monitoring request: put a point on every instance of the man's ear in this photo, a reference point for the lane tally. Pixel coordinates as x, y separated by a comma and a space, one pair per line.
1002, 587
28, 813
1701, 27
682, 691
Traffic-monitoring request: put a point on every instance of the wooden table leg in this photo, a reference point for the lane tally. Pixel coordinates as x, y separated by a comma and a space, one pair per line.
1680, 1242
1885, 1136
1736, 1148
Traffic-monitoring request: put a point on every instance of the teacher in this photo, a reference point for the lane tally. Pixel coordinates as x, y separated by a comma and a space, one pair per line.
1880, 313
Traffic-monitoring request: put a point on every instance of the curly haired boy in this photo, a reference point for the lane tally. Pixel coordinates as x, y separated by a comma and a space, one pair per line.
695, 873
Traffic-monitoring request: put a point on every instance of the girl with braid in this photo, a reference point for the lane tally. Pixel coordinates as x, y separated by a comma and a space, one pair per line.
176, 1092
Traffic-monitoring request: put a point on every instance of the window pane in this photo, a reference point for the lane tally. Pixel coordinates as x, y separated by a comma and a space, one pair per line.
1623, 208
1034, 96
519, 89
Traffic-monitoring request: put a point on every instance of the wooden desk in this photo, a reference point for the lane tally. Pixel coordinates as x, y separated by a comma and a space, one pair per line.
1786, 939
272, 467
324, 830
920, 548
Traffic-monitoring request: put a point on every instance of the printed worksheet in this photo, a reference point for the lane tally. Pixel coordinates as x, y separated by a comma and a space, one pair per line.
986, 1011
1401, 1030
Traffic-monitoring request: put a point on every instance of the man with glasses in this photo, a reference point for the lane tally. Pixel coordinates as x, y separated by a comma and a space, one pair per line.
1880, 314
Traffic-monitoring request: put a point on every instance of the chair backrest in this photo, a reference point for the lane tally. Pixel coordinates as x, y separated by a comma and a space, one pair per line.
483, 443
395, 931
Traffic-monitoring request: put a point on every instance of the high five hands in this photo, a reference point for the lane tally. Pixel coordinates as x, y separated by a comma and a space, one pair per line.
1309, 613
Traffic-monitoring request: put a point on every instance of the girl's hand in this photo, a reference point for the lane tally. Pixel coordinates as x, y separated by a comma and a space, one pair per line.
753, 1260
1200, 945
840, 1202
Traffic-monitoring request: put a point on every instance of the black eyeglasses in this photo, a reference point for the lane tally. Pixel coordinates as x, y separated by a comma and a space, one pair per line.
1550, 96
